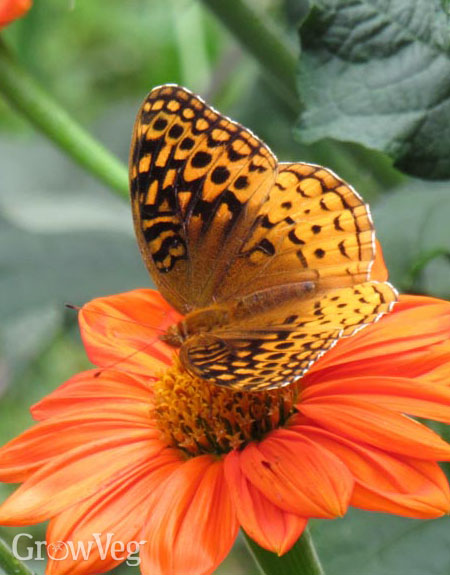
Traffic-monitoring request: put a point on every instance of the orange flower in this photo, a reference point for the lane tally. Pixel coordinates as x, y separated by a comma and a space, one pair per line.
141, 449
12, 9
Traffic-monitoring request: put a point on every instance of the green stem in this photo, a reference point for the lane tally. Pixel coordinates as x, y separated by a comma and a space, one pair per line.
23, 92
10, 564
260, 37
302, 559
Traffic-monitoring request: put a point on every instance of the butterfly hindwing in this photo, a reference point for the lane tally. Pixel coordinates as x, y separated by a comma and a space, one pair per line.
276, 348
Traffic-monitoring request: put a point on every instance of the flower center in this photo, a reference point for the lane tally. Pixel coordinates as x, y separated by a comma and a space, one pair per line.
200, 417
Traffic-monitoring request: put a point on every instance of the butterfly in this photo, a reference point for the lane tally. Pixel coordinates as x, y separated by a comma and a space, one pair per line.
268, 262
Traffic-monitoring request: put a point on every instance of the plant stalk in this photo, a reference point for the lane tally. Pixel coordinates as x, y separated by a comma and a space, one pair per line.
24, 93
301, 559
261, 39
10, 564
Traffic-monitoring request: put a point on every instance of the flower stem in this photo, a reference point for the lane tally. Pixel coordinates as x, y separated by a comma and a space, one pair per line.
260, 37
10, 564
24, 93
302, 559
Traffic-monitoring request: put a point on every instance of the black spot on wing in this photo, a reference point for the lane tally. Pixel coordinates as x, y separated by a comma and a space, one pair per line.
201, 160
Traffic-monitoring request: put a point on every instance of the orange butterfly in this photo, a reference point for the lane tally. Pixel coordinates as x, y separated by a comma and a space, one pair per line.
269, 262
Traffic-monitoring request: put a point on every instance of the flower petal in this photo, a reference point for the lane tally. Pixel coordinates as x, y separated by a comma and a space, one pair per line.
365, 422
75, 476
271, 527
387, 483
12, 9
113, 514
40, 444
297, 475
93, 388
396, 393
192, 522
123, 331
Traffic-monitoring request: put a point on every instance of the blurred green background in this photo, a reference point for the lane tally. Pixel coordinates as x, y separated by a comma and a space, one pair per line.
65, 238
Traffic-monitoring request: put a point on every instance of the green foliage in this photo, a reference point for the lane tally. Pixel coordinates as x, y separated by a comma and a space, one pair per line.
300, 559
413, 226
62, 240
91, 54
46, 268
364, 543
378, 73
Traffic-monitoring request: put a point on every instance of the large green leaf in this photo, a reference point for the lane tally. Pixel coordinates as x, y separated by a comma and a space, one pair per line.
372, 544
39, 269
377, 72
63, 240
413, 226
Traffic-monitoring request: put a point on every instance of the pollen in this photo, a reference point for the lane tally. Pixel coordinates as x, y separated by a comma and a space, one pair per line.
200, 417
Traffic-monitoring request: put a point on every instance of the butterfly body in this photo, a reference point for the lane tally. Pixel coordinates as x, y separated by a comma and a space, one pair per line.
197, 323
268, 262
218, 316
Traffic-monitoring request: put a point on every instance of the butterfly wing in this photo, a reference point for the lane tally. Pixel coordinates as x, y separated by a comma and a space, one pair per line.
312, 227
198, 181
276, 348
216, 217
218, 221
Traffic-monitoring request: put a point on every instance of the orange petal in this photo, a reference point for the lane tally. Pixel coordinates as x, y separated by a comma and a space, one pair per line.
271, 527
92, 388
430, 364
123, 331
408, 301
396, 393
387, 483
114, 514
40, 444
379, 270
192, 522
365, 422
75, 476
12, 9
297, 475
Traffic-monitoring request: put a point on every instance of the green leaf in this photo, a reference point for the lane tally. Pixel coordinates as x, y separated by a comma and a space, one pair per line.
413, 227
365, 543
70, 267
377, 72
62, 240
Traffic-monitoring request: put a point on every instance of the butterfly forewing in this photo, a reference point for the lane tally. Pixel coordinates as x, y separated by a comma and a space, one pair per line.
312, 226
198, 181
284, 251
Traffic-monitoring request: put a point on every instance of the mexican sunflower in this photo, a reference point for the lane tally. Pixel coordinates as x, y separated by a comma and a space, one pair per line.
12, 9
139, 448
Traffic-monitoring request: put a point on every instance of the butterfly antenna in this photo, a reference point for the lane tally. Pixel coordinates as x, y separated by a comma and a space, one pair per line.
116, 318
130, 356
160, 355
